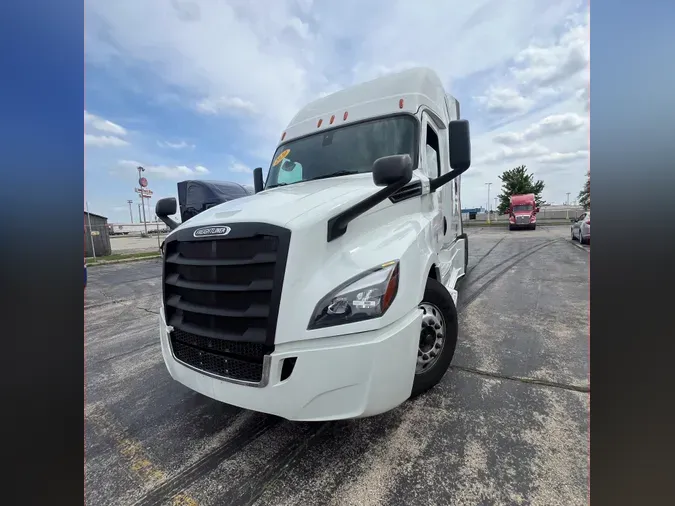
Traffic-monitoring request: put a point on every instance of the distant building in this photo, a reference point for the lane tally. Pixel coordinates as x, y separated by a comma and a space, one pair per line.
98, 234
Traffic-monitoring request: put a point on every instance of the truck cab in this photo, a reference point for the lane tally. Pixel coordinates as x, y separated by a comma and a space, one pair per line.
330, 293
522, 212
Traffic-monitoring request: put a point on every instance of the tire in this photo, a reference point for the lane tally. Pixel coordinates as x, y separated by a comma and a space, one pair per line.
572, 230
510, 227
440, 310
533, 227
581, 238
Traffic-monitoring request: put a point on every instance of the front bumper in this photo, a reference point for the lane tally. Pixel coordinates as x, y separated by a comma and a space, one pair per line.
521, 226
339, 377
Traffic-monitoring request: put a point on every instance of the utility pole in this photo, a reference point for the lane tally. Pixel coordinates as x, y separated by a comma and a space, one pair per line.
568, 198
495, 209
488, 202
131, 215
139, 213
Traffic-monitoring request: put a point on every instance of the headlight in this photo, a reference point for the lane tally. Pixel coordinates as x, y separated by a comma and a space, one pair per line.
363, 297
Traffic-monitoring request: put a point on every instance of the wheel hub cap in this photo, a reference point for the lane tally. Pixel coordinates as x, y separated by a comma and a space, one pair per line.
432, 337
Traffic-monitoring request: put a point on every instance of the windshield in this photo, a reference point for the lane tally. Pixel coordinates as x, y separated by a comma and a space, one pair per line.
522, 207
346, 150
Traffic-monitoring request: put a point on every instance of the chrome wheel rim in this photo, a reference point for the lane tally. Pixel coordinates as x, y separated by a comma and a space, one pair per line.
432, 337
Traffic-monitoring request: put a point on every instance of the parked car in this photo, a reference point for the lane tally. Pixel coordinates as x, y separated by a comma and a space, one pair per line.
581, 228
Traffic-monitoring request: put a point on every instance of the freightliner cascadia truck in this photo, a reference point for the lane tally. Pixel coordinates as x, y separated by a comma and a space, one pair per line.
522, 212
331, 292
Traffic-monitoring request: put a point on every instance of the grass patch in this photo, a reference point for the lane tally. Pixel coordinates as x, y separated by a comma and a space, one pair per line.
121, 256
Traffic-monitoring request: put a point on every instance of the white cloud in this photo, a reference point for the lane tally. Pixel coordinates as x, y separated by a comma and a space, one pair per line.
225, 105
163, 171
240, 168
102, 141
504, 101
506, 153
175, 145
367, 71
555, 124
584, 96
107, 127
300, 28
542, 71
555, 157
103, 125
550, 64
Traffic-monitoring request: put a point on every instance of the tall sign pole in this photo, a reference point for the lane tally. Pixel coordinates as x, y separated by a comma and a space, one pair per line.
131, 214
143, 183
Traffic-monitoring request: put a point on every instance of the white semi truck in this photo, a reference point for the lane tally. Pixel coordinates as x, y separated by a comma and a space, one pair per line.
331, 292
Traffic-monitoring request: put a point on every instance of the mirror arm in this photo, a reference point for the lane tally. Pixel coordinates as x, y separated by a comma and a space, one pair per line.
337, 225
169, 222
436, 183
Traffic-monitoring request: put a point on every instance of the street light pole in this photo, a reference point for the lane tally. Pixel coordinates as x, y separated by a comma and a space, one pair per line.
488, 202
567, 212
131, 214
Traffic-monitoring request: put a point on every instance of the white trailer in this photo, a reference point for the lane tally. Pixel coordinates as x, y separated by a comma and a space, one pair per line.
136, 228
331, 292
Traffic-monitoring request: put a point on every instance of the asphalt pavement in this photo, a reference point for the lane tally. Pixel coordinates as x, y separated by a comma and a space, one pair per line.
508, 424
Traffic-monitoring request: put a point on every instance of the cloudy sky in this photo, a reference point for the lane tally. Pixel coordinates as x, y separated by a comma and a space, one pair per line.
203, 88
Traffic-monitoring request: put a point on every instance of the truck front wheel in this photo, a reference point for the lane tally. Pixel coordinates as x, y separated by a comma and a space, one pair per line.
438, 337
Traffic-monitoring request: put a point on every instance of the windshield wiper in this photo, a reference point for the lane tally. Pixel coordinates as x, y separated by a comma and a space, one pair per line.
334, 174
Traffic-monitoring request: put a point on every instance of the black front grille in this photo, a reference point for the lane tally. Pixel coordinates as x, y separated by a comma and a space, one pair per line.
221, 295
241, 361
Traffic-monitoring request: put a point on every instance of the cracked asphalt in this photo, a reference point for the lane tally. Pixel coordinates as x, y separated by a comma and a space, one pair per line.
508, 424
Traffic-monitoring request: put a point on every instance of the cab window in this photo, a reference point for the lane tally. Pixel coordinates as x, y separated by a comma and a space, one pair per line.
432, 164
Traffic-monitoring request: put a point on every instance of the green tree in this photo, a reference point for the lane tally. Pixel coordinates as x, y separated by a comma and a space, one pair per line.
517, 181
585, 193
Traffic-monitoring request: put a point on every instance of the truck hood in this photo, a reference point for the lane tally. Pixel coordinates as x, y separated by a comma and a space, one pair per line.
281, 205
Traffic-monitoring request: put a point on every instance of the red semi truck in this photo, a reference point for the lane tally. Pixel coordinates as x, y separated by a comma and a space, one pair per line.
522, 212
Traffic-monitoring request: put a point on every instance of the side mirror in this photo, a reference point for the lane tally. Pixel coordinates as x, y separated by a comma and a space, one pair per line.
257, 179
460, 144
394, 169
536, 209
573, 220
165, 208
